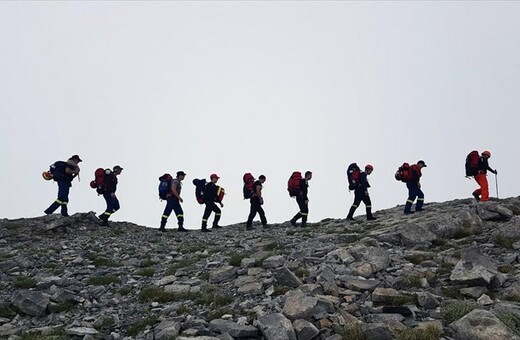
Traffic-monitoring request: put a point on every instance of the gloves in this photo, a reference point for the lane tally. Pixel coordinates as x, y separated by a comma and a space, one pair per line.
495, 171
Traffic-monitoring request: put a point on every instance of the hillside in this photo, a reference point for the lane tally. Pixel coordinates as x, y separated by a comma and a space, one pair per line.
449, 272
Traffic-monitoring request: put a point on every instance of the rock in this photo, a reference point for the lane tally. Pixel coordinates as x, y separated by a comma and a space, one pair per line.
222, 274
247, 262
177, 288
481, 325
276, 327
285, 277
305, 330
166, 280
484, 300
167, 329
233, 328
427, 300
377, 257
361, 285
377, 331
299, 306
474, 292
384, 294
31, 302
476, 269
81, 331
255, 288
491, 211
275, 261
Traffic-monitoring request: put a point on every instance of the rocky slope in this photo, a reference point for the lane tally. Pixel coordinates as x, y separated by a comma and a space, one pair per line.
451, 271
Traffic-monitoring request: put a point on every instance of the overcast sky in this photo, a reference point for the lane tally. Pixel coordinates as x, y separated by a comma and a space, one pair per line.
262, 87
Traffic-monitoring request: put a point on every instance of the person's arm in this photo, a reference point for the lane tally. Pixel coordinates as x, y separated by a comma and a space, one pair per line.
174, 191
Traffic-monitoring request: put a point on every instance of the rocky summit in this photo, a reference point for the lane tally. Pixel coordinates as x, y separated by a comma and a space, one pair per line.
449, 272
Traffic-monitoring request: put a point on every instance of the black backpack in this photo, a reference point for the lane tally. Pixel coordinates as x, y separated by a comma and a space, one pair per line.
165, 184
58, 170
200, 187
353, 172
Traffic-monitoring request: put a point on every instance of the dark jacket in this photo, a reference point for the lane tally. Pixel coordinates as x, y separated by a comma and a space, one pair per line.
110, 183
304, 187
210, 192
483, 165
363, 182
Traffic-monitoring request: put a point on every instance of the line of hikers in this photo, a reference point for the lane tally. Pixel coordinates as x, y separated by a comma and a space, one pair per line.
210, 194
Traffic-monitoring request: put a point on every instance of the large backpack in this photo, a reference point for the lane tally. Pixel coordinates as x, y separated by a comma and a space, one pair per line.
200, 187
472, 160
99, 180
57, 170
353, 172
165, 185
404, 173
293, 185
249, 181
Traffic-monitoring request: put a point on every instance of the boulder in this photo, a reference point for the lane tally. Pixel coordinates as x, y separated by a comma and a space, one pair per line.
276, 327
232, 328
285, 277
476, 269
222, 274
305, 330
481, 325
299, 306
31, 302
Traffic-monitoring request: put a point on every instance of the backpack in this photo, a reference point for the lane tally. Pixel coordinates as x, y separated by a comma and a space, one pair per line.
472, 161
200, 186
403, 173
165, 185
57, 170
99, 180
293, 185
249, 180
220, 194
353, 172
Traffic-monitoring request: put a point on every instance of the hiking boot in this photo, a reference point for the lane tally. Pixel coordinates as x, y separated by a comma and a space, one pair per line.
217, 227
206, 230
65, 215
182, 229
265, 226
104, 223
409, 212
477, 196
162, 229
419, 209
250, 228
371, 218
350, 218
293, 223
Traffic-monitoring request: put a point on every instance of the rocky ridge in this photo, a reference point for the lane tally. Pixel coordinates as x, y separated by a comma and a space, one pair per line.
449, 272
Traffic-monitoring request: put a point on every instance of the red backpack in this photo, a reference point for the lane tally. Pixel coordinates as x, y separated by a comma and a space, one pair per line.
249, 180
293, 185
353, 172
472, 161
99, 180
404, 173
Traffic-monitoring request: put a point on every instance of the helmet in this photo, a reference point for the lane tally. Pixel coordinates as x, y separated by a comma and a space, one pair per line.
214, 176
486, 153
369, 167
47, 175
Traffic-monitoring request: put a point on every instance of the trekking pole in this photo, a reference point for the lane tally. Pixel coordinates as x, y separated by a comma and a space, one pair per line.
496, 183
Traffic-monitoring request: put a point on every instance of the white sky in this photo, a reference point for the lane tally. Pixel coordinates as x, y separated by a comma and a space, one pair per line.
262, 87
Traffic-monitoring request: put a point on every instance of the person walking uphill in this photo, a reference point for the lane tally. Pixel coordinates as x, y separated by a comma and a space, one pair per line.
173, 202
109, 194
63, 173
257, 201
361, 194
302, 200
482, 194
211, 196
414, 188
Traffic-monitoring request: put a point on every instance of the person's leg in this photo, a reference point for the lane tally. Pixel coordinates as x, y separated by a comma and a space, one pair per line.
355, 205
252, 214
167, 211
411, 197
420, 200
179, 214
218, 212
207, 213
368, 205
484, 187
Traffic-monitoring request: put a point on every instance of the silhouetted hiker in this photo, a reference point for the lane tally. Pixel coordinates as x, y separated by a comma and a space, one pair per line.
63, 173
298, 187
212, 194
414, 188
109, 194
173, 200
482, 194
257, 201
361, 194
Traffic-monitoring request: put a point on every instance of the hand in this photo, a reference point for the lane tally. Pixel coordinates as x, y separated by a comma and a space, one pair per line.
181, 200
113, 195
495, 171
419, 185
221, 204
307, 202
261, 200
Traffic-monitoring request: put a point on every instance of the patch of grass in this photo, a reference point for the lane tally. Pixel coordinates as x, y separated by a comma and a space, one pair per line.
504, 242
217, 313
453, 310
56, 334
172, 269
429, 333
280, 290
418, 258
140, 326
24, 282
353, 331
204, 276
102, 280
149, 272
505, 268
510, 320
415, 281
100, 261
452, 292
191, 248
462, 233
271, 246
183, 310
108, 322
290, 232
235, 259
125, 290
147, 263
207, 296
61, 307
302, 272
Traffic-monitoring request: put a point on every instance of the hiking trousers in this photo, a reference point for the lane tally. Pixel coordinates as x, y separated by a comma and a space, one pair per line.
256, 207
211, 207
414, 192
484, 187
62, 200
304, 211
172, 203
112, 206
361, 196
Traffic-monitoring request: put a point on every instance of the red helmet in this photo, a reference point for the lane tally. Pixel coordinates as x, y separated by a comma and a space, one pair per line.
486, 153
369, 167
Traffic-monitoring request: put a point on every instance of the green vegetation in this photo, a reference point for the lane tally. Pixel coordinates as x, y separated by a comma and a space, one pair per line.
56, 334
149, 272
147, 263
125, 290
510, 320
504, 242
505, 268
235, 259
191, 248
452, 292
172, 269
353, 331
454, 310
24, 282
108, 322
183, 310
464, 232
429, 333
102, 280
280, 290
140, 326
271, 246
207, 296
302, 272
62, 307
217, 313
100, 261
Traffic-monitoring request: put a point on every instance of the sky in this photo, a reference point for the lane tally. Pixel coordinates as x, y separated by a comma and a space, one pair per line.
272, 87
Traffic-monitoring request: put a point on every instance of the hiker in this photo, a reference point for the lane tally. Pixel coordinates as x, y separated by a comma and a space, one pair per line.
361, 194
63, 173
109, 194
414, 188
210, 198
302, 200
482, 194
257, 201
173, 202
